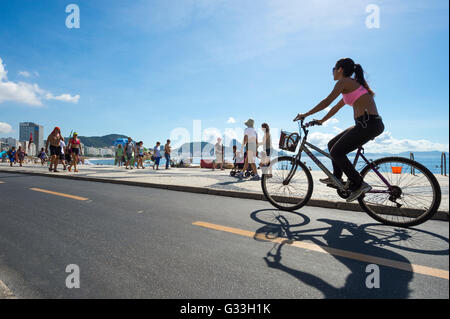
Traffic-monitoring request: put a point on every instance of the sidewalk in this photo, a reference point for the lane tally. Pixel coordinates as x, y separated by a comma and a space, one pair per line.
204, 181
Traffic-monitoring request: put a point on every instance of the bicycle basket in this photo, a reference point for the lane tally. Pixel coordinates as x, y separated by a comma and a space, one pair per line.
289, 141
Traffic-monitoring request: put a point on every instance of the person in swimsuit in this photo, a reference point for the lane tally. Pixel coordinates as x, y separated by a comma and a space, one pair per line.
368, 124
75, 147
55, 148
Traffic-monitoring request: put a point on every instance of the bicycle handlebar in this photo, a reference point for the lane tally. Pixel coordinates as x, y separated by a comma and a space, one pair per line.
309, 124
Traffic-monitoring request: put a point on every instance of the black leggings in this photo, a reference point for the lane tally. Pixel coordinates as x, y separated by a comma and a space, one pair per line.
366, 128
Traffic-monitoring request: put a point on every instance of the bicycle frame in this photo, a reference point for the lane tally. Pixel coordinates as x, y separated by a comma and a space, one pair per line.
360, 153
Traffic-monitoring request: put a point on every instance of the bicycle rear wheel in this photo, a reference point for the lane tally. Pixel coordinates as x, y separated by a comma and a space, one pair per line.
287, 194
414, 196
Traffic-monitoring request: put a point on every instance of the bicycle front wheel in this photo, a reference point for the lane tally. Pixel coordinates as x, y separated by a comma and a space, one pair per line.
413, 197
287, 183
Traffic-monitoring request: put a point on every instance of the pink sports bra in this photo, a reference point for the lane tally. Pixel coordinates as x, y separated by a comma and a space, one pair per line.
77, 141
351, 97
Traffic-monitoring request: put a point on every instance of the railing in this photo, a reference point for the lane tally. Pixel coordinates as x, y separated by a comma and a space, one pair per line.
444, 164
411, 157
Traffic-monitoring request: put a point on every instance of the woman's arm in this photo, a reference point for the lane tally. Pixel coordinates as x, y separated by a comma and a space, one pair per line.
338, 88
333, 111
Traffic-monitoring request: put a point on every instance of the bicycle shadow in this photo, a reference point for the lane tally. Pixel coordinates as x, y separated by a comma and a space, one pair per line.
394, 283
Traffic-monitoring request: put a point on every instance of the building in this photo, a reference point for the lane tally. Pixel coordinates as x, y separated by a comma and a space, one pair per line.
9, 142
37, 131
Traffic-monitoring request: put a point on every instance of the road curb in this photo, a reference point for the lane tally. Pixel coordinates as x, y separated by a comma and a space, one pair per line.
440, 215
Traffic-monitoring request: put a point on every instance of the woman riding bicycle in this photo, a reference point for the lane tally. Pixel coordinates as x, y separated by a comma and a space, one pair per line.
368, 124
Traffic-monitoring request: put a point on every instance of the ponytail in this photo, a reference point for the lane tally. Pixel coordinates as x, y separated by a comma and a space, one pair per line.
359, 77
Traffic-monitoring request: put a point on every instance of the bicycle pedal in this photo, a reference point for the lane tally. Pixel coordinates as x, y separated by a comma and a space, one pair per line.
332, 186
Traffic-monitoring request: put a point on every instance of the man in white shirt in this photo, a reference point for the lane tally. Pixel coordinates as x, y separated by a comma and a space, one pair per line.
251, 140
62, 157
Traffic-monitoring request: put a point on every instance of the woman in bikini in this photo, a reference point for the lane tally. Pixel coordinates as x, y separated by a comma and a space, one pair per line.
368, 124
75, 147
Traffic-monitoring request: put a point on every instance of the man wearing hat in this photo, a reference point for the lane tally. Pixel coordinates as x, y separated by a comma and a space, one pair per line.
251, 140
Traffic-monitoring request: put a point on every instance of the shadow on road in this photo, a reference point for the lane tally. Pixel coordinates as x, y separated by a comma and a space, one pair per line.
368, 239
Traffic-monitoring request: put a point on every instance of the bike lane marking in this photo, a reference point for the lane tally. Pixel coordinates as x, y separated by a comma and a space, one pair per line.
424, 270
58, 194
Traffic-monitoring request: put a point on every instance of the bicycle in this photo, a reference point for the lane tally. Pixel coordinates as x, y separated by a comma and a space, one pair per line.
404, 192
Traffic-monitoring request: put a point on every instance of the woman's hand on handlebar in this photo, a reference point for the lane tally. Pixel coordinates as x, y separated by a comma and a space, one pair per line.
314, 122
300, 117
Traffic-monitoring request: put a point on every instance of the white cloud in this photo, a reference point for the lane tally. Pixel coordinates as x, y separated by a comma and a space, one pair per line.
27, 93
231, 120
63, 97
20, 92
5, 128
25, 74
385, 143
3, 71
331, 121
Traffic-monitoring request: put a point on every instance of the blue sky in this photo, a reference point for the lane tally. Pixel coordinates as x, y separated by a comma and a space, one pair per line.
144, 68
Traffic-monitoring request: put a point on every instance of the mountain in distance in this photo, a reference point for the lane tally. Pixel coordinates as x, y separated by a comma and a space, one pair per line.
196, 149
99, 141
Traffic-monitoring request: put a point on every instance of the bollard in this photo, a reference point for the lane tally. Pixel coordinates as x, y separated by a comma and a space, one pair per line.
443, 164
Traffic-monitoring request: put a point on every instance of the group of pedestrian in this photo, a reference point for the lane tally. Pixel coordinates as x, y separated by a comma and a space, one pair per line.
68, 155
132, 154
156, 157
249, 147
16, 156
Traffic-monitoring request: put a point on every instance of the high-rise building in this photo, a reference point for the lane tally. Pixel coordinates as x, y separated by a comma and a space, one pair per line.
37, 131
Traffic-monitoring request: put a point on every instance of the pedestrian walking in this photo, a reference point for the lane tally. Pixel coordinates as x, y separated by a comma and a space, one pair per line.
167, 151
62, 156
157, 155
119, 155
129, 149
251, 141
20, 155
266, 143
218, 150
42, 156
55, 148
12, 155
140, 154
75, 147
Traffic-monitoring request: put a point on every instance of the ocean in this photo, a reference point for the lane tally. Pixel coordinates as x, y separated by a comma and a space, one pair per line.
430, 161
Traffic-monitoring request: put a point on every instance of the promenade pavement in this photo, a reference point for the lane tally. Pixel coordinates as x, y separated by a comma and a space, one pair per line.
204, 180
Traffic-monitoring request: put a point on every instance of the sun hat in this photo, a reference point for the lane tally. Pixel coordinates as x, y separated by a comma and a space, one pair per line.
250, 122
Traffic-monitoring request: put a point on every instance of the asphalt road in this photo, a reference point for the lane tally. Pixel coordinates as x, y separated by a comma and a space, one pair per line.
132, 242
